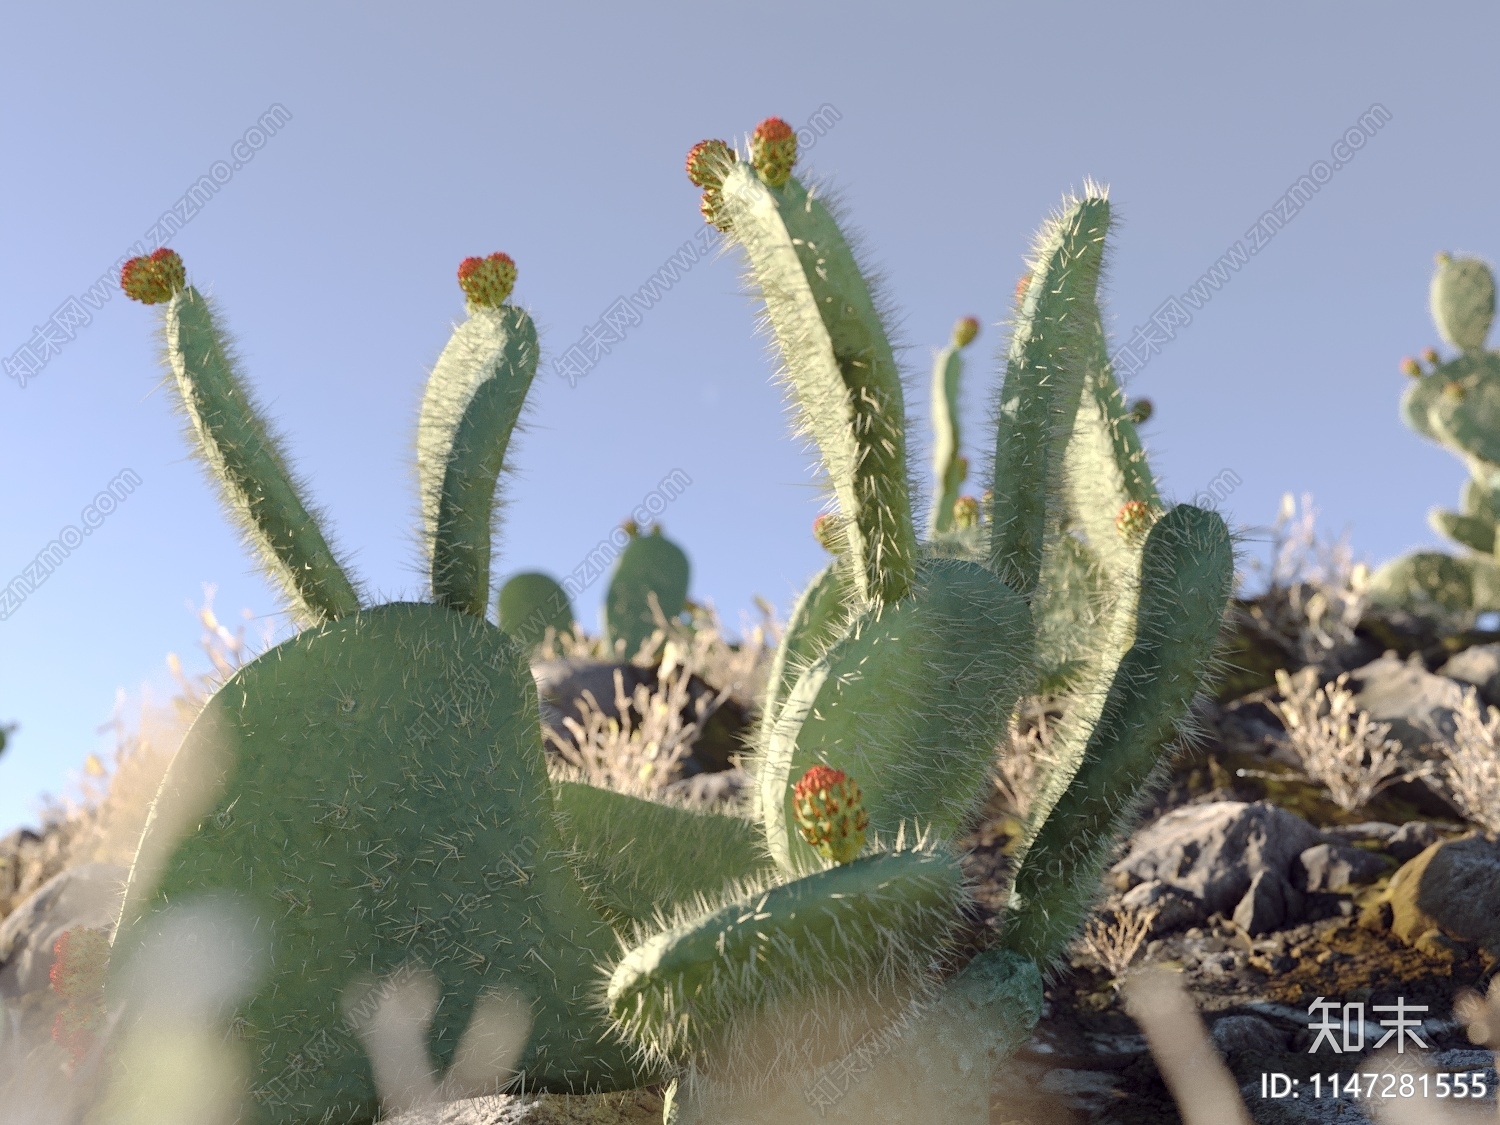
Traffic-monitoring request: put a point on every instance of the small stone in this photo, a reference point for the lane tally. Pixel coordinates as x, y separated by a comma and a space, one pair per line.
1173, 908
1334, 867
1480, 666
1451, 890
1247, 1035
1411, 839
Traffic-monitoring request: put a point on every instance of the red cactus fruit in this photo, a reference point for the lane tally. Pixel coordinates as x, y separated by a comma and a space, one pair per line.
155, 278
965, 513
487, 282
830, 813
1431, 356
1022, 285
965, 331
707, 162
773, 150
1411, 367
1133, 521
826, 532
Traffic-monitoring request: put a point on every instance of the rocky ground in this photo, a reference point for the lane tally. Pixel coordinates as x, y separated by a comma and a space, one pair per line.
1243, 877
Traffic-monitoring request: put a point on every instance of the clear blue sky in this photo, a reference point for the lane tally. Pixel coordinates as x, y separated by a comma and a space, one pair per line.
420, 134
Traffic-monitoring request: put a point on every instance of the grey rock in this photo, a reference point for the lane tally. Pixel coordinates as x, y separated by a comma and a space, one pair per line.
1174, 909
1088, 1090
1270, 904
1336, 867
1479, 666
88, 895
1411, 839
1213, 851
1449, 893
1366, 830
1418, 705
1247, 1035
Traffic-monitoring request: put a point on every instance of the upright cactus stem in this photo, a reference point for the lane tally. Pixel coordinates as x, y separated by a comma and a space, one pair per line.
838, 360
948, 464
237, 446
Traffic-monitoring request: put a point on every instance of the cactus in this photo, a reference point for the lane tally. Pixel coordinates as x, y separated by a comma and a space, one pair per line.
529, 604
903, 661
949, 465
375, 788
650, 569
1456, 403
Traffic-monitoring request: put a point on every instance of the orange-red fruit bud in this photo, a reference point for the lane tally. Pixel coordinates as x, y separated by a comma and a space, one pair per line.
80, 961
1133, 520
487, 282
829, 810
155, 278
965, 331
1411, 367
773, 150
965, 513
1022, 285
707, 163
1431, 356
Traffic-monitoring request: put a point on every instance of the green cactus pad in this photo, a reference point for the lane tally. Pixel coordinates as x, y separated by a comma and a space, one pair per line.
1425, 580
1044, 375
642, 859
817, 619
469, 411
244, 458
379, 799
872, 928
1462, 298
910, 701
530, 603
840, 367
650, 565
1474, 532
1187, 575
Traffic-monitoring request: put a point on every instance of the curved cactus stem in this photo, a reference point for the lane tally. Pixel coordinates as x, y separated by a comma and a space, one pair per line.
641, 858
871, 929
469, 411
1105, 465
840, 367
816, 620
1187, 575
242, 454
947, 370
1044, 377
910, 701
1474, 532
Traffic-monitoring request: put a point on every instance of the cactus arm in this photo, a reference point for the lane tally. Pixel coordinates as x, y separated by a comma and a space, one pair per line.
1187, 574
863, 929
1039, 397
469, 411
1105, 464
641, 858
242, 454
650, 567
814, 624
840, 367
948, 466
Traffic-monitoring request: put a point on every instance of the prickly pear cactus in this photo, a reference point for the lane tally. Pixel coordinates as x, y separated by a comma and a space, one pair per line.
1455, 402
374, 789
650, 567
530, 603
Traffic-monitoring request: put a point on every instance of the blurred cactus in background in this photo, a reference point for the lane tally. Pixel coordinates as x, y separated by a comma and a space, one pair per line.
1455, 402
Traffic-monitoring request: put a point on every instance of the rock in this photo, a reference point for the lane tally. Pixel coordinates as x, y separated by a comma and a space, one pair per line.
561, 684
1214, 851
1449, 893
1377, 830
1270, 903
629, 1107
1418, 705
1479, 666
1247, 1035
1334, 867
1411, 839
726, 787
88, 895
1174, 909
